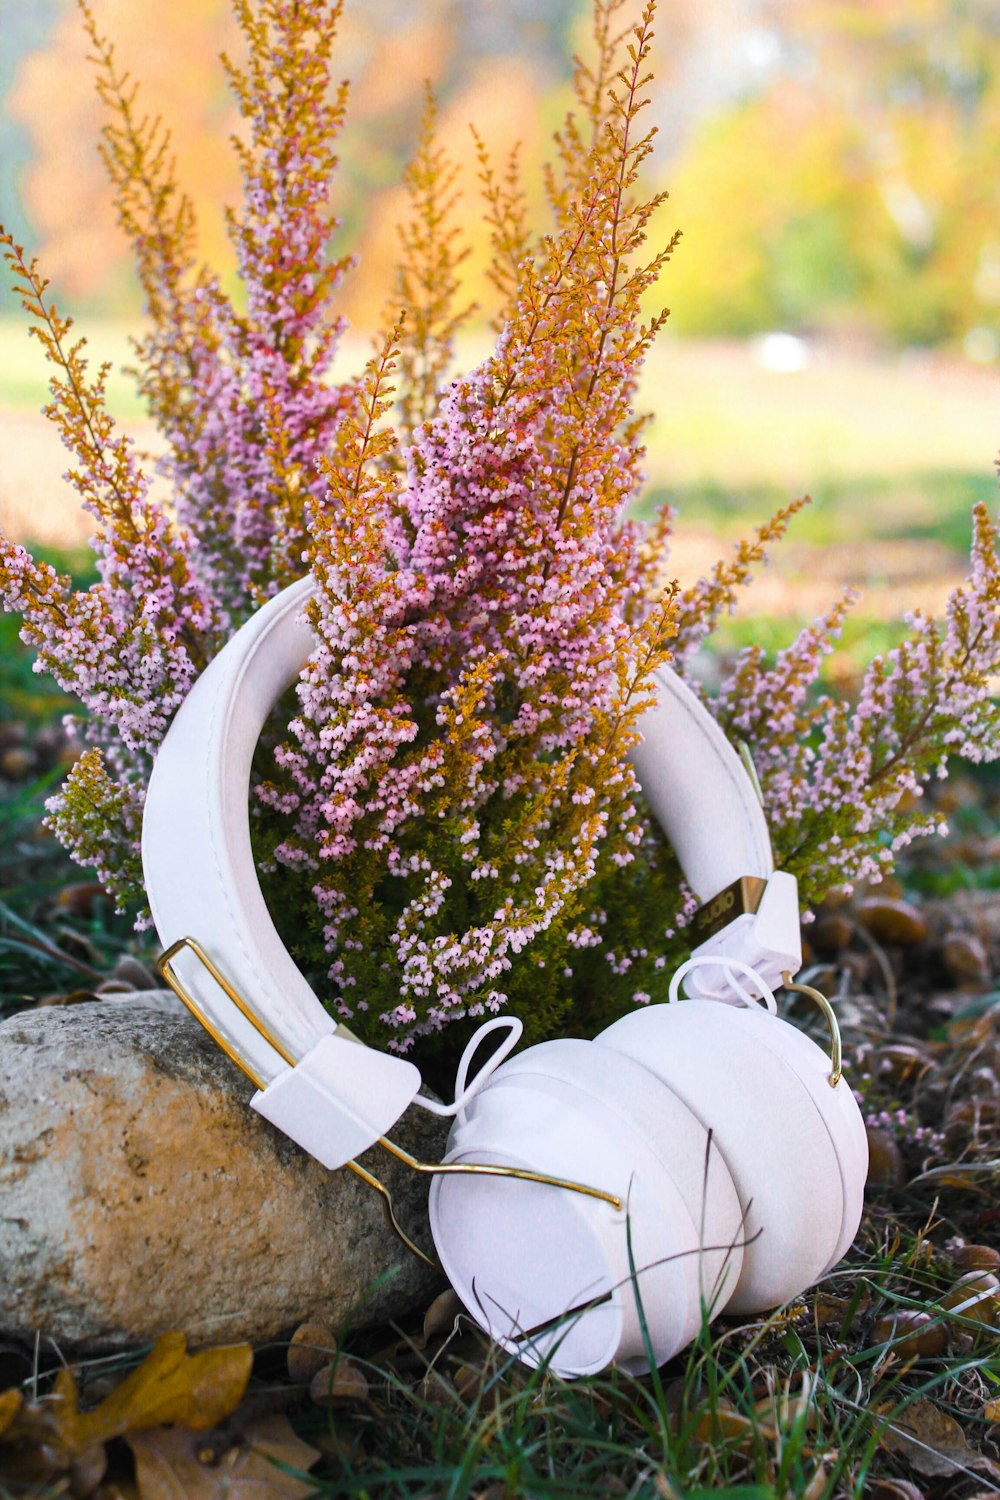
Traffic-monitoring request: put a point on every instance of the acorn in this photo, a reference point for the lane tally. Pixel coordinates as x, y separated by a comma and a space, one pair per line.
836, 899
440, 1316
81, 897
892, 921
16, 763
309, 1350
339, 1385
965, 958
911, 1334
977, 1258
976, 1295
831, 933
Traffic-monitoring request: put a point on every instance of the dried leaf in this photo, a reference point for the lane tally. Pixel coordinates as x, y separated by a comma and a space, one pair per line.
87, 1470
887, 1487
965, 1184
168, 1467
991, 1411
10, 1405
830, 1312
818, 1484
764, 1422
933, 1443
195, 1390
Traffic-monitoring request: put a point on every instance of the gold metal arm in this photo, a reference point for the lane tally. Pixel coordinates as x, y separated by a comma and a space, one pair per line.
485, 1169
836, 1045
164, 968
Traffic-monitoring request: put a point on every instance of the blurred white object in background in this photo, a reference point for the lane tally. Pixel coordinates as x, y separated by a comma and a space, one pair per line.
784, 352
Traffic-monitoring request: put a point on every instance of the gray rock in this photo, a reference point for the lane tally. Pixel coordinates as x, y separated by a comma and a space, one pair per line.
163, 1000
139, 1193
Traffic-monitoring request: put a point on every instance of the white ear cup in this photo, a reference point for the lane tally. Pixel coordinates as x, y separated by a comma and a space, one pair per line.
795, 1146
523, 1254
840, 1113
676, 1136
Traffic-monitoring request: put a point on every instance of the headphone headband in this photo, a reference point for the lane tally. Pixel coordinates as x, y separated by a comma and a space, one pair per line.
339, 1097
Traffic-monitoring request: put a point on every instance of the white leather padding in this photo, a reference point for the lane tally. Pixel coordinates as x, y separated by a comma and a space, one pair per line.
521, 1254
795, 1146
610, 1083
698, 791
201, 880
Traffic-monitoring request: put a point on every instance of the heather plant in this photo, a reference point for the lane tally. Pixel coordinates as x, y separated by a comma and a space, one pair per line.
445, 817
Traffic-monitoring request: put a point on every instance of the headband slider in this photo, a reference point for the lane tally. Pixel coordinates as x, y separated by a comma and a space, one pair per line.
335, 1101
739, 898
763, 936
338, 1099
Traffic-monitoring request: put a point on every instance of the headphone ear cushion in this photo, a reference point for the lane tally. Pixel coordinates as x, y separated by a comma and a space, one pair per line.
795, 1146
683, 1147
839, 1111
523, 1254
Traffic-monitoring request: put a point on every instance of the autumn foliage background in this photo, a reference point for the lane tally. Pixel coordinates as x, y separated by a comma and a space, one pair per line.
840, 160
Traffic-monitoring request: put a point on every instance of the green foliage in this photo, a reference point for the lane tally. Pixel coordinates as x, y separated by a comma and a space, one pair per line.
861, 511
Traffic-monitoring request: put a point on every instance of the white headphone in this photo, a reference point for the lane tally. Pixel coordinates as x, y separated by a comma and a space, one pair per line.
597, 1197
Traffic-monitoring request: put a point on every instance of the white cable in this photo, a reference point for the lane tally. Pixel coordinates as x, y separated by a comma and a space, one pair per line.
727, 965
465, 1093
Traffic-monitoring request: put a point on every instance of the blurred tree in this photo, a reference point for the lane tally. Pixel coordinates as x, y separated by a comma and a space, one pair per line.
23, 29
861, 187
834, 163
65, 190
492, 60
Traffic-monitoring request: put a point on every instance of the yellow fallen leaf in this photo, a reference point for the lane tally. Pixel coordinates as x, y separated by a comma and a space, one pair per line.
195, 1390
10, 1405
991, 1411
965, 1184
167, 1466
724, 1421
